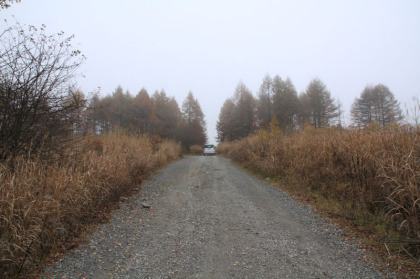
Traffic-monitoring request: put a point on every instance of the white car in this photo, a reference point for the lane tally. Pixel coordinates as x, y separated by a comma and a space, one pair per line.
209, 150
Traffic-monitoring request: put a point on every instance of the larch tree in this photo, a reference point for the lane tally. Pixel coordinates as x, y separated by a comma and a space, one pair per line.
285, 103
264, 103
93, 114
319, 104
376, 104
304, 115
168, 114
157, 115
120, 107
144, 112
225, 124
244, 113
111, 111
193, 125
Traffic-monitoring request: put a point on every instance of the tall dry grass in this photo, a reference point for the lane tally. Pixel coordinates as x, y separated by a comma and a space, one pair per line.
373, 174
196, 150
44, 205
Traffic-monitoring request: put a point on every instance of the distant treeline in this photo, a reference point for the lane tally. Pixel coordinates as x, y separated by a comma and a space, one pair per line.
157, 115
277, 101
43, 114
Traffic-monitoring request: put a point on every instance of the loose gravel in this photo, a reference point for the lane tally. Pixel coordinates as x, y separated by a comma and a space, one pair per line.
210, 219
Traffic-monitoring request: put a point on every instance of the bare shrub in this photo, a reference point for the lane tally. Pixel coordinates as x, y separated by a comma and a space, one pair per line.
39, 104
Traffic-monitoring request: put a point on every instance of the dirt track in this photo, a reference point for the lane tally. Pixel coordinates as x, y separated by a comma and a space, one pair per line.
209, 219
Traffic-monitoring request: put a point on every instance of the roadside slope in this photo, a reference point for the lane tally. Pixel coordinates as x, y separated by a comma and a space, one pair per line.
209, 219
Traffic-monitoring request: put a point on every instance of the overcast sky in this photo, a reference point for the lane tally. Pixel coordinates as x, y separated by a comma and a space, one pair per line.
208, 47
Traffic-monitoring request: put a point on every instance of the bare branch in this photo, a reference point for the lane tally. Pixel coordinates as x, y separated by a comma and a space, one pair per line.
37, 78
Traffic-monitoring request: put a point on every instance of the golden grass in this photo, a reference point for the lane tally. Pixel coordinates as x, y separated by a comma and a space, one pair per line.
368, 172
43, 206
196, 150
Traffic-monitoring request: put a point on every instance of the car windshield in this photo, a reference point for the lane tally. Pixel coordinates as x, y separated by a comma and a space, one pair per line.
209, 146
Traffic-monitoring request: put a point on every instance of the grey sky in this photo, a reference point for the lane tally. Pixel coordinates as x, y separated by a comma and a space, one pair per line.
208, 47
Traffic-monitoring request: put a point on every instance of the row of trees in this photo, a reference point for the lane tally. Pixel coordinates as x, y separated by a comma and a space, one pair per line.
156, 115
42, 113
278, 100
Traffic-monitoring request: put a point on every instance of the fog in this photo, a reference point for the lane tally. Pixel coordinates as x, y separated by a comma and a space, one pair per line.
208, 47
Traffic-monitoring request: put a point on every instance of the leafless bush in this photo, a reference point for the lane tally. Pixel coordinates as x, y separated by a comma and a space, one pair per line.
39, 105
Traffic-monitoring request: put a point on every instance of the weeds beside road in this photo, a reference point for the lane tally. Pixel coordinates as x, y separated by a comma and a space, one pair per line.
210, 219
370, 178
44, 205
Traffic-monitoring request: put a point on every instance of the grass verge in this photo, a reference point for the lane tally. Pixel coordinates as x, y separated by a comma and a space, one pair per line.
367, 179
44, 206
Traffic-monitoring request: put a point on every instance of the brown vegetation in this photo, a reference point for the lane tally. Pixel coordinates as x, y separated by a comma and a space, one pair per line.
196, 150
157, 115
40, 106
243, 115
372, 175
43, 205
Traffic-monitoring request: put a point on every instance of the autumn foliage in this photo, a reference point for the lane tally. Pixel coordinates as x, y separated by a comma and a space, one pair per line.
277, 98
157, 115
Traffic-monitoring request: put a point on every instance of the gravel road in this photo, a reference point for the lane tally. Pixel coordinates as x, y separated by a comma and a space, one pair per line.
210, 219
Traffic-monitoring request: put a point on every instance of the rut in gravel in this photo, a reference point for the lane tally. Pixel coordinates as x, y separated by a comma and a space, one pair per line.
210, 219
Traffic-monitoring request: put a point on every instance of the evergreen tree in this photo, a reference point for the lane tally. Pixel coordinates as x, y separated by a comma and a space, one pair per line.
237, 118
285, 103
264, 103
225, 124
193, 127
318, 104
244, 113
168, 114
144, 113
376, 104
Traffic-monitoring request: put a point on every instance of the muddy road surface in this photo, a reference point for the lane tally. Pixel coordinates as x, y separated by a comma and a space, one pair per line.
210, 219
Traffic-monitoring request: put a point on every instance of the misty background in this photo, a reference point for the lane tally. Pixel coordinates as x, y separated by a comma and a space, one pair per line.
208, 47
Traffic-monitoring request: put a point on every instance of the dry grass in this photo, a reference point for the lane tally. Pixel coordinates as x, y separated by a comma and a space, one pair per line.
374, 175
43, 206
196, 150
